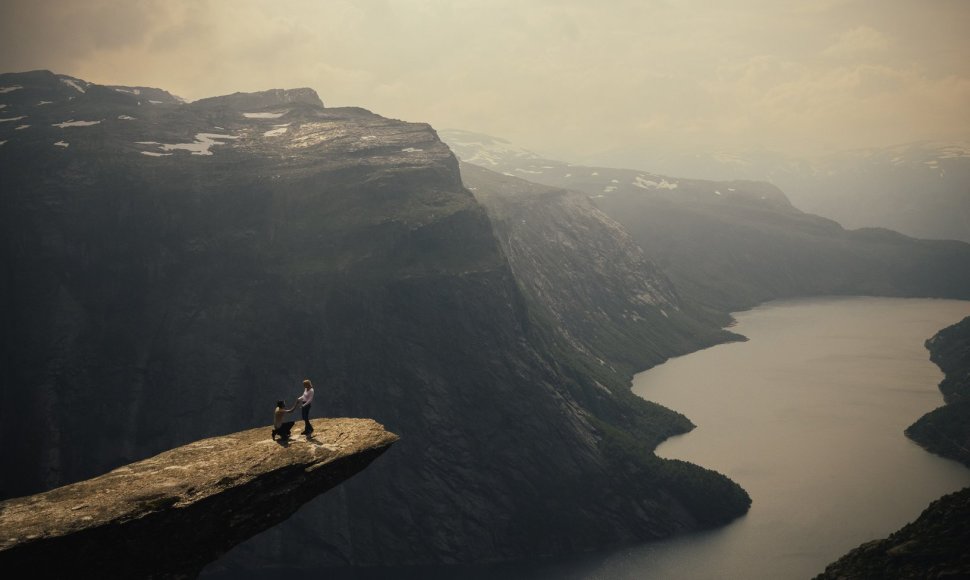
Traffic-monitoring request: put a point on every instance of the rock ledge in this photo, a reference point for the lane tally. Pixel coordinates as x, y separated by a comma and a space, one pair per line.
169, 515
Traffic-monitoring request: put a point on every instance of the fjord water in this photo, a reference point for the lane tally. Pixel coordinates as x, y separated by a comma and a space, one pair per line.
808, 416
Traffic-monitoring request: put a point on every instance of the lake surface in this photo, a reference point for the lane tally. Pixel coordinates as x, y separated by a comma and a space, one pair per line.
808, 416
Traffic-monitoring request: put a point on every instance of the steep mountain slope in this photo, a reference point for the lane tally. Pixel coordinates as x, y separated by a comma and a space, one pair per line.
730, 245
172, 269
579, 266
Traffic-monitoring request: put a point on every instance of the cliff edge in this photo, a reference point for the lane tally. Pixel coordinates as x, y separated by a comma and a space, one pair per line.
169, 515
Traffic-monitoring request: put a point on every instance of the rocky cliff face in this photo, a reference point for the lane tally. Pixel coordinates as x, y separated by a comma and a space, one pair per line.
610, 309
172, 269
604, 296
169, 515
162, 260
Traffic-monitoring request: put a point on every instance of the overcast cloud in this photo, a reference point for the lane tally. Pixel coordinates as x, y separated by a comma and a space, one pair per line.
567, 77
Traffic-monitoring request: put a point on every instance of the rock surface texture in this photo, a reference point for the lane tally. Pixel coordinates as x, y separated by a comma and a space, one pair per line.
172, 269
169, 515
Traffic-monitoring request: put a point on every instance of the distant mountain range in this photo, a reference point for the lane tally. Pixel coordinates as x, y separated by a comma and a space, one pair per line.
733, 244
919, 189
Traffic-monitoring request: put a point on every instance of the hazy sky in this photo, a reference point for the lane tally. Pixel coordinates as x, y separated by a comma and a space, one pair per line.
564, 77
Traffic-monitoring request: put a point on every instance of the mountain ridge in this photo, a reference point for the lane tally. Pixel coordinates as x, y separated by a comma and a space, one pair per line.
731, 245
918, 188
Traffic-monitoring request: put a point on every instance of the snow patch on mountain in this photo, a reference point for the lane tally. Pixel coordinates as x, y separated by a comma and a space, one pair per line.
73, 123
954, 151
10, 89
279, 130
264, 115
483, 149
62, 143
9, 119
201, 145
71, 83
644, 183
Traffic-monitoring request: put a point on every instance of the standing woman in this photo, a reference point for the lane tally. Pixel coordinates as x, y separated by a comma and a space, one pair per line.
305, 399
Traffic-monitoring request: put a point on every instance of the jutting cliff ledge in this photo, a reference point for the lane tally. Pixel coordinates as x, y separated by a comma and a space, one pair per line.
169, 515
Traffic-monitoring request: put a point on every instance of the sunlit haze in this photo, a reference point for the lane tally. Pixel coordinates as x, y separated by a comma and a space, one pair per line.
571, 79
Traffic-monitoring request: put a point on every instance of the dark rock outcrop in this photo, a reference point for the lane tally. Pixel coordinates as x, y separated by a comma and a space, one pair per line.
169, 515
933, 546
946, 430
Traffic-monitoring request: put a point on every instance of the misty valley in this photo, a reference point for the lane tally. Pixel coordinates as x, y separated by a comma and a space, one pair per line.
559, 370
